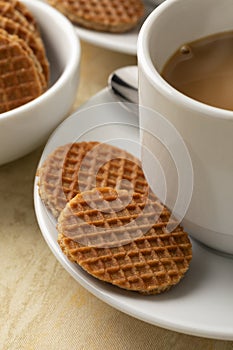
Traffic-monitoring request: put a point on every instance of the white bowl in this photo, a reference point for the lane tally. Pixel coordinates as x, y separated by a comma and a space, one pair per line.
24, 128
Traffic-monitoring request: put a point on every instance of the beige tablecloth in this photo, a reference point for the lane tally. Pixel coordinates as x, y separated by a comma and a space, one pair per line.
42, 306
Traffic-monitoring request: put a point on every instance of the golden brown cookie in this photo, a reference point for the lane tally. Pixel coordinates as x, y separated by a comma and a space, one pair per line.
9, 10
37, 64
114, 16
26, 13
78, 167
20, 81
119, 238
34, 42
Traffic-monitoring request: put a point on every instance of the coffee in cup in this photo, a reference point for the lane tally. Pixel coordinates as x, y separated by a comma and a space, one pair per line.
203, 70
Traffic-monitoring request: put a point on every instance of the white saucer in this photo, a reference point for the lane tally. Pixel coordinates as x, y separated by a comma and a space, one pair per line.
202, 303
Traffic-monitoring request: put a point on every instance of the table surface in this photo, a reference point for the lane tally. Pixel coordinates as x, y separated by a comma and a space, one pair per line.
42, 306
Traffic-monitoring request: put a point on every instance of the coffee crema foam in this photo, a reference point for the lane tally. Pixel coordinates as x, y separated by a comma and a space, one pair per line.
203, 70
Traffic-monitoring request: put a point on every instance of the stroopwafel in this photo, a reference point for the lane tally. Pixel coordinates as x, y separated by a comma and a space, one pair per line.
103, 15
26, 13
122, 243
33, 41
9, 10
82, 166
20, 81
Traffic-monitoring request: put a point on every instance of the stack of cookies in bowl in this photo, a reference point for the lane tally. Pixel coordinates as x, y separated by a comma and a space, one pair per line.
38, 78
24, 72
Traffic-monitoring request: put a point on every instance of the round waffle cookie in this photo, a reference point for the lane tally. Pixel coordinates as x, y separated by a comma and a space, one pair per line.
34, 42
79, 167
118, 240
20, 80
103, 15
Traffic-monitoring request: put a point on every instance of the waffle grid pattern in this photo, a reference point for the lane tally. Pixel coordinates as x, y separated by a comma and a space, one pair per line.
150, 263
9, 10
105, 166
24, 11
24, 67
109, 15
19, 80
75, 167
34, 42
52, 188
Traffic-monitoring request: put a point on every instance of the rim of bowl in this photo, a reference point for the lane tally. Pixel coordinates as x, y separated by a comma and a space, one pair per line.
68, 69
155, 78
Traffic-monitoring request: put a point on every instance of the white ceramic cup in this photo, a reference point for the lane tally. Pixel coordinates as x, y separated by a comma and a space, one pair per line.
207, 131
